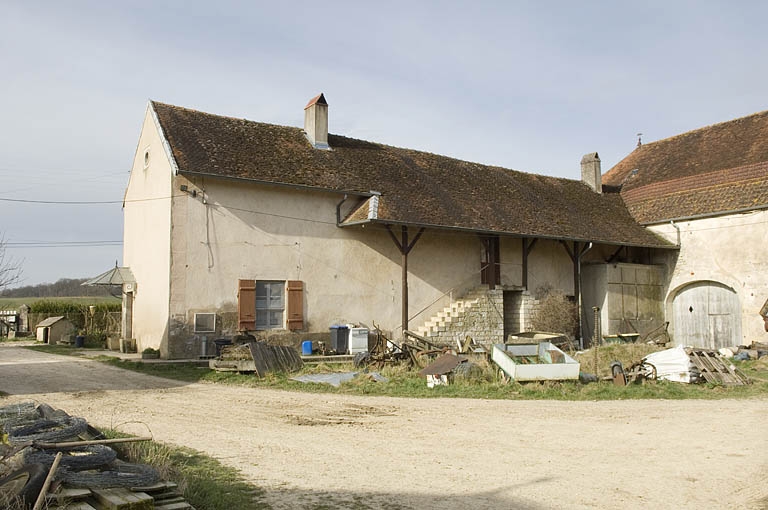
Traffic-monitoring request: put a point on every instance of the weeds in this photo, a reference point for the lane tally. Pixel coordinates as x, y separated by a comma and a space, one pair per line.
205, 483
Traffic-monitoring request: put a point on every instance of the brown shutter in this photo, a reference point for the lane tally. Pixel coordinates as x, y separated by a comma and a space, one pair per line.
246, 305
295, 305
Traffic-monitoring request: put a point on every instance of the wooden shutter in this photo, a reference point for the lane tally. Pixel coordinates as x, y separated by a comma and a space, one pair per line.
295, 305
246, 305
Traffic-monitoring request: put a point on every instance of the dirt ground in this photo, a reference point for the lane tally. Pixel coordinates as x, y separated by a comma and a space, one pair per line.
309, 450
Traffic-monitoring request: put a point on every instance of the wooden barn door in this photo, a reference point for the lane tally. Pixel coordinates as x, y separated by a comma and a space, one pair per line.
707, 314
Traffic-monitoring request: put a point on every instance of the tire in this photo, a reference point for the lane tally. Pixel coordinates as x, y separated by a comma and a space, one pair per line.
48, 430
119, 474
22, 485
74, 459
362, 359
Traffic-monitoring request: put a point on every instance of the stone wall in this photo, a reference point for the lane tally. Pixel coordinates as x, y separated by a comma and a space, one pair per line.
484, 322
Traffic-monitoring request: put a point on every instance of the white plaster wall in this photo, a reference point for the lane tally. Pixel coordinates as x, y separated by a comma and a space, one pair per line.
146, 237
730, 250
250, 231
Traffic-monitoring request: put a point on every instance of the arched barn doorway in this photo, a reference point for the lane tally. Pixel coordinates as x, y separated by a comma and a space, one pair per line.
706, 314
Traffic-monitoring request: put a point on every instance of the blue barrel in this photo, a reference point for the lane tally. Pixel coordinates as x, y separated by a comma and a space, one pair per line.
79, 341
306, 348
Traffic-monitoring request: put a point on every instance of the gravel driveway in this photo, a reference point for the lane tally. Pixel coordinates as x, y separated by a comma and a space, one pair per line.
379, 452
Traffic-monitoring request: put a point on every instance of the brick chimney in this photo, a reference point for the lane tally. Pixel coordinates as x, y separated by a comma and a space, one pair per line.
590, 172
316, 122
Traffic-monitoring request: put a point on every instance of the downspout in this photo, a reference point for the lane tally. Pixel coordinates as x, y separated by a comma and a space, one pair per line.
338, 210
678, 231
578, 270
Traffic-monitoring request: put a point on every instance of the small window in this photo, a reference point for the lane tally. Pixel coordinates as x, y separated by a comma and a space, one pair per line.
146, 158
205, 323
270, 305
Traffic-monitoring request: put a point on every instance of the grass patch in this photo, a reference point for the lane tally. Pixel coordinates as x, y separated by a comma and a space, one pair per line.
407, 383
404, 382
206, 483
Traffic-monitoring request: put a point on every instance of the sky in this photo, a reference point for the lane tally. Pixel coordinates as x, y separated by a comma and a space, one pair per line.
530, 86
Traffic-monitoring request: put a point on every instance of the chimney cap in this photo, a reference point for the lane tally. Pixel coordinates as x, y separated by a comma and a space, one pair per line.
589, 157
318, 99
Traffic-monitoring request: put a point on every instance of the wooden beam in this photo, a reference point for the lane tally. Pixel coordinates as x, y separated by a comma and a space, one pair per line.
405, 248
614, 255
571, 254
528, 245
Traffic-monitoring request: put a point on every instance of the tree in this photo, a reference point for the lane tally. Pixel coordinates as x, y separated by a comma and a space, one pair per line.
10, 268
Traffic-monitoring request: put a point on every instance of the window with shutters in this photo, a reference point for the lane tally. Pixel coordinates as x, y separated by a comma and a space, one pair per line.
270, 304
266, 304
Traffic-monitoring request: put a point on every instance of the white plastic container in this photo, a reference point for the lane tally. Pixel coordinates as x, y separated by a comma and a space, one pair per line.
358, 340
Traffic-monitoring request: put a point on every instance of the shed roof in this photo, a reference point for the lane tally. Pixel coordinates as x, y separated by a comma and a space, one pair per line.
709, 171
416, 188
50, 321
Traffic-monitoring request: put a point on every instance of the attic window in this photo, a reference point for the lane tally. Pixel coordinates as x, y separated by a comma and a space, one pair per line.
146, 158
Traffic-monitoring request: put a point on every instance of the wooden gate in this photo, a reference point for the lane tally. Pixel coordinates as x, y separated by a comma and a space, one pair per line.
708, 315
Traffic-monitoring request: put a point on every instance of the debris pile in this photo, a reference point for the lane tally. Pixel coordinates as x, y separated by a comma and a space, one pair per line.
49, 459
681, 364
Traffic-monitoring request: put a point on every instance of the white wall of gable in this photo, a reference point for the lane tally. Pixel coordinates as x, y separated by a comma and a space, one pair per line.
730, 250
146, 236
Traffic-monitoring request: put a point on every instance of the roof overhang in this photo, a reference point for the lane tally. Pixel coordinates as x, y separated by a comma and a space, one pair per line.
115, 276
383, 222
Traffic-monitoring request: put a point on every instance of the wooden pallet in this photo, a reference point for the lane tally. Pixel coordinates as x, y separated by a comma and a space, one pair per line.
160, 496
714, 370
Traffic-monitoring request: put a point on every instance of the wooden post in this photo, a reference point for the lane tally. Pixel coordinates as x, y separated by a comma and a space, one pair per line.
405, 248
47, 483
527, 249
404, 282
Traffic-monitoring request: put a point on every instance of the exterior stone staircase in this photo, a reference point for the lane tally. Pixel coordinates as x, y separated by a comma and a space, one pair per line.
478, 314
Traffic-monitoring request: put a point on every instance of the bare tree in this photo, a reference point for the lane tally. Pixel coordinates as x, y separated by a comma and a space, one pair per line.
10, 268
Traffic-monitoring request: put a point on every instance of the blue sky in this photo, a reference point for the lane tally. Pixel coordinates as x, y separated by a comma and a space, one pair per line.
525, 85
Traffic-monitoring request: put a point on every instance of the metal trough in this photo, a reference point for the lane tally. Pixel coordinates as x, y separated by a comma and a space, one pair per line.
535, 362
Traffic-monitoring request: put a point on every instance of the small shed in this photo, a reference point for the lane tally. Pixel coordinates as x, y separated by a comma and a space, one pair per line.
54, 330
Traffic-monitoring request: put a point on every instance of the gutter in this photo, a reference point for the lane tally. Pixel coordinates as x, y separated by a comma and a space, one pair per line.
678, 231
501, 232
578, 269
338, 210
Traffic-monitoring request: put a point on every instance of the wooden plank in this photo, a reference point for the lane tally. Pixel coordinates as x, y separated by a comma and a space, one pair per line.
174, 506
66, 494
169, 501
80, 505
123, 499
158, 487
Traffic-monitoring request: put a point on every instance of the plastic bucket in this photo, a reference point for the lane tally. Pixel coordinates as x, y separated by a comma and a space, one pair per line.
306, 348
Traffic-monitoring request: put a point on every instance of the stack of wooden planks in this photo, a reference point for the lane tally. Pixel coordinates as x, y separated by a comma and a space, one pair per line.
715, 369
160, 496
260, 358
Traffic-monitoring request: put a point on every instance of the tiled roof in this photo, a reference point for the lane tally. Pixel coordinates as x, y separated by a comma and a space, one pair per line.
416, 188
709, 171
